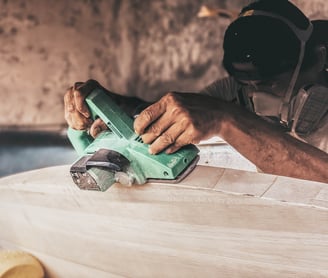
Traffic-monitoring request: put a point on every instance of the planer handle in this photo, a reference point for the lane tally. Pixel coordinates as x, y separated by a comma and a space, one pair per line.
102, 106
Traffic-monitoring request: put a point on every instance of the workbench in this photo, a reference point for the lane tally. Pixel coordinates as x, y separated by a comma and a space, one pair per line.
216, 223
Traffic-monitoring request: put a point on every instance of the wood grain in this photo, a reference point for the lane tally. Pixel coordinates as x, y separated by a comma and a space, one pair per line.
192, 229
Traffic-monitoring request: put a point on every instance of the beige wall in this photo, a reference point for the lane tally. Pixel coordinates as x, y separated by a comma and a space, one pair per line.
142, 48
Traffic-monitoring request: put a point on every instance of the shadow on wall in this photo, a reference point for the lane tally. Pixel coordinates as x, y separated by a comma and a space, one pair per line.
25, 150
44, 51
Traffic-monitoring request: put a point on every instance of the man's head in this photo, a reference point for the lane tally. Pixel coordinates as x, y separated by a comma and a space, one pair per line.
273, 47
265, 41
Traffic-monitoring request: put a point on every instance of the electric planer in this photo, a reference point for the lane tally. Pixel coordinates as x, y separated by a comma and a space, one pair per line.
118, 155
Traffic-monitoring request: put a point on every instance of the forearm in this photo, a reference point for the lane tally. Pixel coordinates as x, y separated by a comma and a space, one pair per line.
271, 149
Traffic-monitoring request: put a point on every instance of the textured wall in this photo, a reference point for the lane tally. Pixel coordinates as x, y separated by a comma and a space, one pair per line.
141, 47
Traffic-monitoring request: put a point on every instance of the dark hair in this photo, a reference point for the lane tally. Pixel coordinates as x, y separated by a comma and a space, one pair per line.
268, 34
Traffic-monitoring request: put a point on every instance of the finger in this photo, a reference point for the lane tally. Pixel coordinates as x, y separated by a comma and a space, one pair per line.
147, 116
73, 117
80, 104
97, 127
79, 122
76, 121
81, 90
156, 129
165, 140
69, 107
181, 141
69, 100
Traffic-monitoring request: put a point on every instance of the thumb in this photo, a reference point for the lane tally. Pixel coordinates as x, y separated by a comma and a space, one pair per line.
97, 127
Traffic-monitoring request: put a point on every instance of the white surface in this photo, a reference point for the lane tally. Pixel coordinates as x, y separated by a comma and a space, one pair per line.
215, 152
191, 229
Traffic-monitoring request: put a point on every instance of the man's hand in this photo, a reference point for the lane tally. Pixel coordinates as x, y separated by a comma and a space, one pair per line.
179, 119
77, 113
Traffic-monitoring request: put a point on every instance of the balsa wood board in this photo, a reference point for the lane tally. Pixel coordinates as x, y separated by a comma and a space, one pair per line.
215, 223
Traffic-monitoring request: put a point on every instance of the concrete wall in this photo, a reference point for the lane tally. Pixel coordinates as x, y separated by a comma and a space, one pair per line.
140, 47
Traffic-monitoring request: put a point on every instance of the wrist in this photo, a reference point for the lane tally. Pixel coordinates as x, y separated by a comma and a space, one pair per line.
225, 119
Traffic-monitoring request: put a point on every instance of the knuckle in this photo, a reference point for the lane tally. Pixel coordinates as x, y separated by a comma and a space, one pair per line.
79, 106
194, 137
77, 93
68, 96
68, 92
79, 126
82, 125
176, 111
183, 139
156, 130
148, 114
182, 115
79, 100
193, 132
171, 97
186, 122
167, 139
79, 123
171, 94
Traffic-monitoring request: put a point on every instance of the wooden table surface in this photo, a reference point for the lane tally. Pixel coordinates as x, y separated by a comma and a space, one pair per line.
215, 223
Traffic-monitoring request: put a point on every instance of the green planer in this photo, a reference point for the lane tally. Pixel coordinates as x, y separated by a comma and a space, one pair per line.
119, 155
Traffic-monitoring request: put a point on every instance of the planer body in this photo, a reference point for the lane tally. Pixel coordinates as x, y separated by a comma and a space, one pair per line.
119, 155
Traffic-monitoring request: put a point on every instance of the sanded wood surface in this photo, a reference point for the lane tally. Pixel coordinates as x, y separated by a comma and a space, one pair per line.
215, 223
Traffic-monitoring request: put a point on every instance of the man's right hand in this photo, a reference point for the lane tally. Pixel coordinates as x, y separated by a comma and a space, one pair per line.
77, 113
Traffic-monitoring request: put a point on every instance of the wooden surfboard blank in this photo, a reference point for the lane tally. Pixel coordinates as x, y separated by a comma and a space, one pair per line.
192, 229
